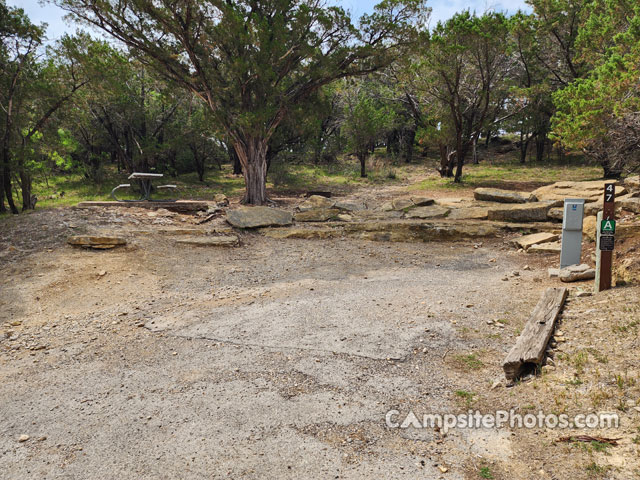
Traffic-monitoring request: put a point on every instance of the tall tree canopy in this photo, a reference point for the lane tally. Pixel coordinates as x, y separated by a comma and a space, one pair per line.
251, 61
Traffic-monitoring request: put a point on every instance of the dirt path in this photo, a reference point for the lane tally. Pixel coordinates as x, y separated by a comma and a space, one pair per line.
277, 359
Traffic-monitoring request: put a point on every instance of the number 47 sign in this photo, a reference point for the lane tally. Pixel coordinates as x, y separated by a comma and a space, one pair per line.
609, 192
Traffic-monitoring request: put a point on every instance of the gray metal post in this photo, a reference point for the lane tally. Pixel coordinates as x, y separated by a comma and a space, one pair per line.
571, 250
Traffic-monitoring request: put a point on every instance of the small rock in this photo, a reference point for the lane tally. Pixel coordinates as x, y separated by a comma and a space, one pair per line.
515, 273
526, 268
575, 273
583, 293
443, 469
489, 322
102, 273
23, 438
554, 272
548, 368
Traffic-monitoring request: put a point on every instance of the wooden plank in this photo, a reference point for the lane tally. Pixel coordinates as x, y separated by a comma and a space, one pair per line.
180, 206
532, 342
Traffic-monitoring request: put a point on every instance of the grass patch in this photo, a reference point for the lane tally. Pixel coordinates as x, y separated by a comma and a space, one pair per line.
466, 397
485, 472
471, 361
506, 171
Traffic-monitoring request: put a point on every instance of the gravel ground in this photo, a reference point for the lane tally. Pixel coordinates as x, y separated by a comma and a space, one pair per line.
275, 359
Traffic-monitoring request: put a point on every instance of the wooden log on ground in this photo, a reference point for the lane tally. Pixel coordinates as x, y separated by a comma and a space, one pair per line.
532, 342
179, 206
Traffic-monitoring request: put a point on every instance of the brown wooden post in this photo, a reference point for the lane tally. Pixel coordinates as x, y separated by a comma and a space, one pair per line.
606, 256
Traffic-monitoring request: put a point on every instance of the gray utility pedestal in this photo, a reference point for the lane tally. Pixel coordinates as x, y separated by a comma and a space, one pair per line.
572, 232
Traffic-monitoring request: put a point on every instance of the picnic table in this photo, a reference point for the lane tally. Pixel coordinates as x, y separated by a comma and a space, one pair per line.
145, 185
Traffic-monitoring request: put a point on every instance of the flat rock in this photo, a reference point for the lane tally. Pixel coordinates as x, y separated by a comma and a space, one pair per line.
551, 247
314, 202
631, 204
556, 213
417, 231
432, 211
632, 182
527, 241
469, 213
317, 215
97, 242
401, 203
350, 206
254, 217
575, 273
219, 241
303, 233
178, 206
422, 201
451, 201
502, 196
591, 191
528, 212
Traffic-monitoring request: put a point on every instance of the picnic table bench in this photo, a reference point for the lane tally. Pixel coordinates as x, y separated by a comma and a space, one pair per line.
145, 184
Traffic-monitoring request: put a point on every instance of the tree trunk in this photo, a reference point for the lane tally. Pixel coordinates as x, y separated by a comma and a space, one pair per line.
6, 180
233, 156
541, 140
253, 158
461, 153
3, 208
444, 160
363, 164
27, 199
475, 151
409, 139
611, 171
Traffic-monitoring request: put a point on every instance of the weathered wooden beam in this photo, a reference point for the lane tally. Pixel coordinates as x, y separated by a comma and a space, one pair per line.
532, 342
179, 206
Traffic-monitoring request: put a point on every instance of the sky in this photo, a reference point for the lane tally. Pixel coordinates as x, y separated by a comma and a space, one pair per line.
442, 10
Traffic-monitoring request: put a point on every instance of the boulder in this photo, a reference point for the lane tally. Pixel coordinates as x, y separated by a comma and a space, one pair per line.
221, 199
502, 196
314, 202
254, 217
401, 203
469, 213
350, 206
317, 215
529, 212
432, 211
219, 241
422, 201
576, 273
96, 242
551, 247
387, 206
527, 241
591, 191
